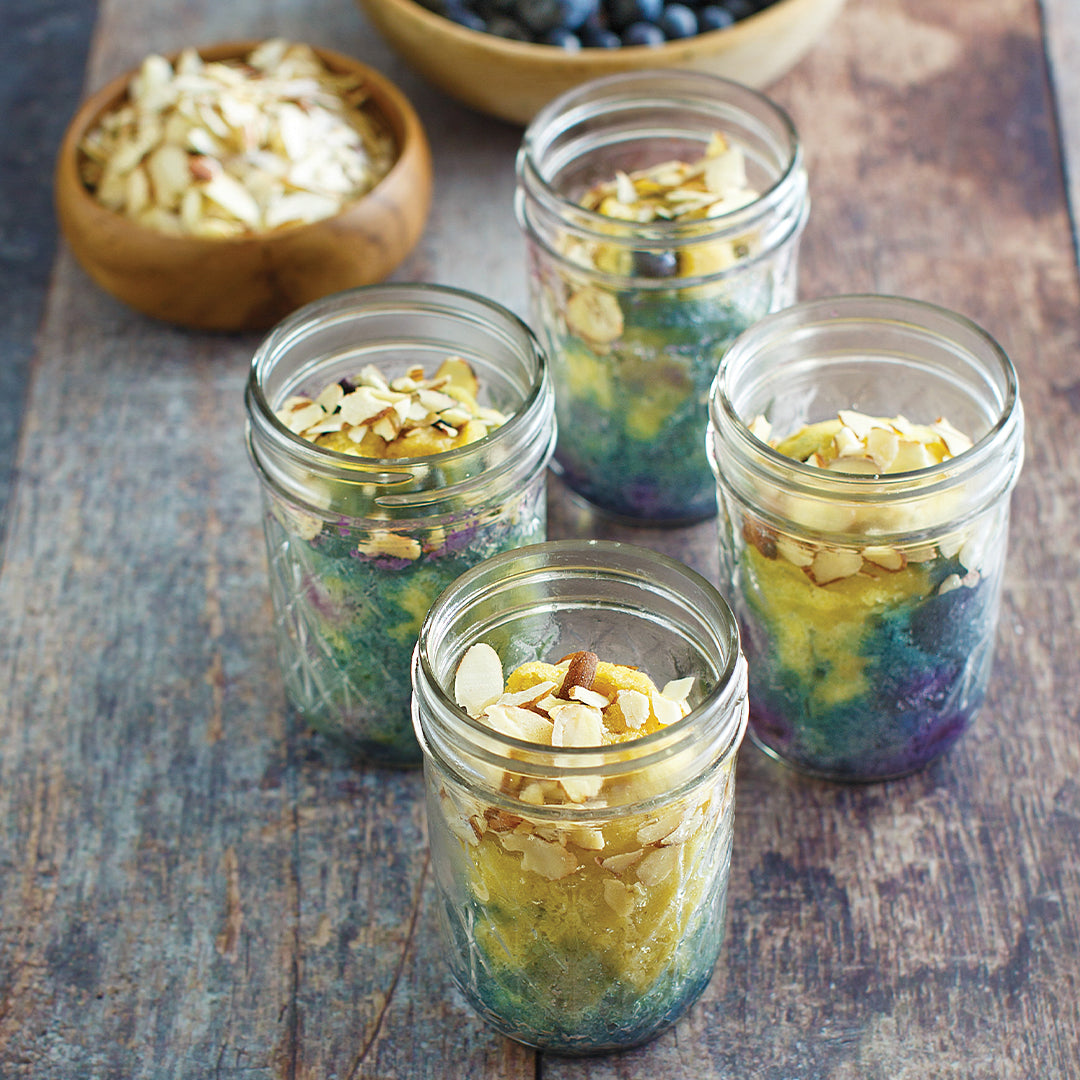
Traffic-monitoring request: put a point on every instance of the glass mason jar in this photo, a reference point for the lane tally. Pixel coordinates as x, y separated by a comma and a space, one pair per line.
359, 547
868, 604
635, 315
582, 889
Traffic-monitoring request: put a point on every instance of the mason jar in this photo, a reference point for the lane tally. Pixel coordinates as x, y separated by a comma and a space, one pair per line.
358, 547
662, 212
867, 593
581, 888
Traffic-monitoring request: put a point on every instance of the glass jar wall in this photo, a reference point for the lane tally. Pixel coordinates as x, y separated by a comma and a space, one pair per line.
865, 448
662, 213
582, 886
359, 546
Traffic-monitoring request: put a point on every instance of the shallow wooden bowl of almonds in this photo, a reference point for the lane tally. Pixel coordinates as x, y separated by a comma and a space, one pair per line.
222, 188
513, 79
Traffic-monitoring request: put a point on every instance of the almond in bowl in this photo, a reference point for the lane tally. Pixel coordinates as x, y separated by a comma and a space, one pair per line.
225, 187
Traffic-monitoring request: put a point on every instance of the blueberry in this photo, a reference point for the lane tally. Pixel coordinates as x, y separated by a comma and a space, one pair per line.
714, 18
576, 12
656, 264
599, 37
505, 27
643, 33
563, 38
740, 8
624, 13
458, 13
678, 21
539, 16
489, 8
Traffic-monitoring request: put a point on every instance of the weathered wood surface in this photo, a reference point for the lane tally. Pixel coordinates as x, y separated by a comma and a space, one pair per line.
190, 887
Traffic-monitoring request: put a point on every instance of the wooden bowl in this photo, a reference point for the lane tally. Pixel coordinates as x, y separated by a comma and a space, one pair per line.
514, 80
248, 282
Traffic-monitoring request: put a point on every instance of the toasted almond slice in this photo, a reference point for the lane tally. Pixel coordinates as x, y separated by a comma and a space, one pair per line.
794, 553
956, 442
882, 444
652, 832
580, 789
666, 710
362, 407
635, 707
529, 696
831, 564
300, 419
618, 864
658, 865
550, 861
331, 397
391, 544
518, 723
586, 836
760, 428
679, 689
888, 558
576, 724
478, 681
589, 697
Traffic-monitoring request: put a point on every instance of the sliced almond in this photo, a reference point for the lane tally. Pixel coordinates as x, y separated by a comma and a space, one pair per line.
888, 558
577, 724
658, 865
519, 723
478, 681
589, 697
620, 863
831, 564
635, 707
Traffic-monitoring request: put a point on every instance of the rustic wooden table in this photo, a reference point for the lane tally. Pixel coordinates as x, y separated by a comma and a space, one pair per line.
190, 886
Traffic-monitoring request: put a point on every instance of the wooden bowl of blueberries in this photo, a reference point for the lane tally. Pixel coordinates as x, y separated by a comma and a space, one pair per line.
509, 58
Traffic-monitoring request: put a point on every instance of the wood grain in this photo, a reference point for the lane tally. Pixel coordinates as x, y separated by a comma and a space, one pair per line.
191, 886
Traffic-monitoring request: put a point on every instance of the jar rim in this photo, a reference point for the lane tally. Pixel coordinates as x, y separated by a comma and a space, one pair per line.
370, 300
570, 108
923, 317
618, 758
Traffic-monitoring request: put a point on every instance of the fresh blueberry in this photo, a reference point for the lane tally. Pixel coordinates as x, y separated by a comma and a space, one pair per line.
600, 37
643, 33
656, 264
624, 13
463, 16
488, 9
539, 16
576, 12
678, 21
740, 8
713, 17
563, 38
505, 27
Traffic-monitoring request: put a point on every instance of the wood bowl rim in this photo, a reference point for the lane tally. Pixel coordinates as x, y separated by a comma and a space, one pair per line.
551, 55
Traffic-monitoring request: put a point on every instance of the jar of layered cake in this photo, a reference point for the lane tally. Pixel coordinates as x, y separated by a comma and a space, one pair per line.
580, 705
662, 212
401, 434
865, 449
